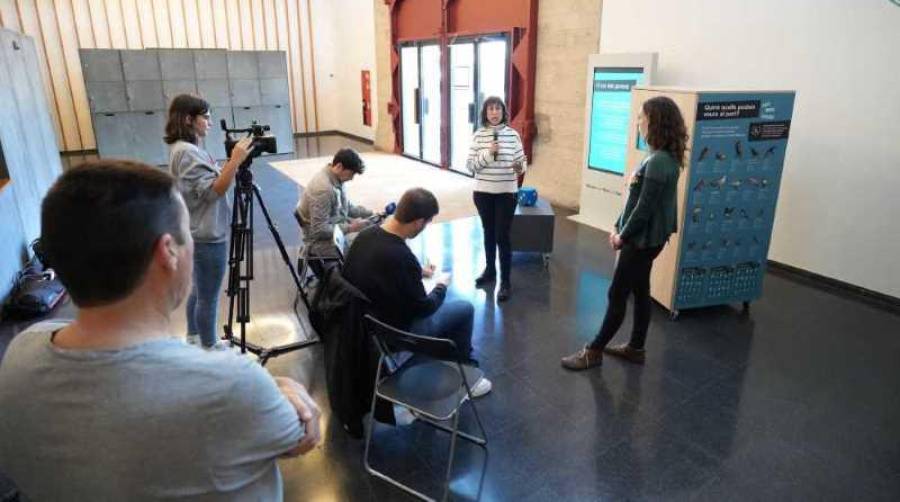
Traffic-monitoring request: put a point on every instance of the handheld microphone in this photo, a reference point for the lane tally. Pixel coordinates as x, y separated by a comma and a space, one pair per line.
495, 140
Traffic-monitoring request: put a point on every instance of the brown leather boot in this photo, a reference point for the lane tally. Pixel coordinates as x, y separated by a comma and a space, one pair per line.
626, 352
585, 358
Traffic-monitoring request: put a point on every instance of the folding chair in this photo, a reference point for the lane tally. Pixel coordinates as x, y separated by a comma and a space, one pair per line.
304, 259
434, 389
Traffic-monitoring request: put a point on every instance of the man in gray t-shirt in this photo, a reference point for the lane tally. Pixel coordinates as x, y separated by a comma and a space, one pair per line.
111, 406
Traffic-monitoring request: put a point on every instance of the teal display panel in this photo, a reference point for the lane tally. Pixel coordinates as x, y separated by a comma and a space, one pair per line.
611, 116
737, 160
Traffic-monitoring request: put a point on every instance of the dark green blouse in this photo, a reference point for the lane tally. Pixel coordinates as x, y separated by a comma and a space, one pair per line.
650, 215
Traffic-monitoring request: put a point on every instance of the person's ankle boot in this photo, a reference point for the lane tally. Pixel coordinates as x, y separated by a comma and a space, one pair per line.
585, 358
626, 352
503, 292
486, 277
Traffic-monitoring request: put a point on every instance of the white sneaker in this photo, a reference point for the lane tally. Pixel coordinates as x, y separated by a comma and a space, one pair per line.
481, 387
402, 415
193, 339
221, 345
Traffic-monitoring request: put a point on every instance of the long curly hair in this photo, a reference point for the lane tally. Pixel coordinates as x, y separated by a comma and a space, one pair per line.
665, 127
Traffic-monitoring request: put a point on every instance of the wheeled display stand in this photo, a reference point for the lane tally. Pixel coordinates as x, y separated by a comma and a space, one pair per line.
727, 194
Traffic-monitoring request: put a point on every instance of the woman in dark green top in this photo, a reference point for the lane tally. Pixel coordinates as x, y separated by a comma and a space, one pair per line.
646, 222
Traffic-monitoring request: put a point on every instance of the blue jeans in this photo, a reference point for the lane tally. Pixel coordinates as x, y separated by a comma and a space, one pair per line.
452, 321
203, 303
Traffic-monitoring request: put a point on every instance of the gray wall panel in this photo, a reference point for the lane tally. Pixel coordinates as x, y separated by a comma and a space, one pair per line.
242, 65
172, 88
145, 95
272, 64
141, 65
242, 85
216, 92
245, 92
177, 64
215, 138
114, 137
107, 97
274, 91
29, 149
101, 65
147, 128
211, 63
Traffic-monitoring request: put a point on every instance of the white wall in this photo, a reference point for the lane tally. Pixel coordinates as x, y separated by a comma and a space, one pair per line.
345, 45
838, 208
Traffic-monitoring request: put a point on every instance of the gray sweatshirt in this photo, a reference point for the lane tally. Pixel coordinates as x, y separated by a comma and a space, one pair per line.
160, 420
196, 171
323, 206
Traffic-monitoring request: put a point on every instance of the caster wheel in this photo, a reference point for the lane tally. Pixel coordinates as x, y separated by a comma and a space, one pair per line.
546, 261
673, 315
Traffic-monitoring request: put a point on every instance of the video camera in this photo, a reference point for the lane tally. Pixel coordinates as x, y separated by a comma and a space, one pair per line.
262, 142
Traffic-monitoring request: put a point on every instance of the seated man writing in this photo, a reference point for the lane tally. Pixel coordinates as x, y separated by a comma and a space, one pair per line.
383, 267
114, 406
324, 206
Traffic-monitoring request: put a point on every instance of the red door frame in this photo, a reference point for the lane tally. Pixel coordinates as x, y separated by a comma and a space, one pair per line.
430, 19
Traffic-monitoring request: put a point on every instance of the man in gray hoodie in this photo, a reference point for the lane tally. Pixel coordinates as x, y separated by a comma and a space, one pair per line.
324, 206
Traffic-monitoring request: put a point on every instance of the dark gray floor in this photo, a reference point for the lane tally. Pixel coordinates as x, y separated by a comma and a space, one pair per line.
799, 400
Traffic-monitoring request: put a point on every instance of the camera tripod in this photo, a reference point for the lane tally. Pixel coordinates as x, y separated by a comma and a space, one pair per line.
240, 266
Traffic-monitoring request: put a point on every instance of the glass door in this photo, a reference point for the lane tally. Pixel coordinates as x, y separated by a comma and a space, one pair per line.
420, 75
493, 59
409, 76
430, 70
462, 103
477, 71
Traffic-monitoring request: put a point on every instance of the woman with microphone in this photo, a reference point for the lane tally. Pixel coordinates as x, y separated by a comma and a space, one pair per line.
497, 159
204, 186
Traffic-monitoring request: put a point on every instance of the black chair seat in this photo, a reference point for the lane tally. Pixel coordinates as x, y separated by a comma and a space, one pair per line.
431, 387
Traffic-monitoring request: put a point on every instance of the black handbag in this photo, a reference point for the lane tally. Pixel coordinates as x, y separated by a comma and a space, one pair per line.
37, 290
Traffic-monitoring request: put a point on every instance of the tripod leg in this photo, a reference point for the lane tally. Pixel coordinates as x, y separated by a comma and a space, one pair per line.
233, 266
284, 254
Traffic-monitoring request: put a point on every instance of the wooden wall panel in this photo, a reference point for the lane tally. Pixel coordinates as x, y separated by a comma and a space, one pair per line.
259, 26
245, 23
177, 22
69, 40
192, 23
271, 30
161, 25
233, 10
220, 23
117, 38
99, 24
8, 16
207, 24
31, 26
61, 27
132, 24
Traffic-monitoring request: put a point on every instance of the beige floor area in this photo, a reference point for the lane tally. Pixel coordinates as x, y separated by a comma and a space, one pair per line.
387, 176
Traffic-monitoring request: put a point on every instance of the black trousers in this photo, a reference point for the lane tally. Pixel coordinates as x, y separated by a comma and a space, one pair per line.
632, 276
496, 211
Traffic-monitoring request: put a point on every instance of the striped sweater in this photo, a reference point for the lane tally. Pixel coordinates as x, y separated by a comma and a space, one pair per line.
496, 176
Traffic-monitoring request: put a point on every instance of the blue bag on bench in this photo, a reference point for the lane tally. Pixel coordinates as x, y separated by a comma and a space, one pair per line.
528, 196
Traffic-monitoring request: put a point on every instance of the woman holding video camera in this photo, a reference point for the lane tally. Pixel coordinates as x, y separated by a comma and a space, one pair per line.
204, 186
